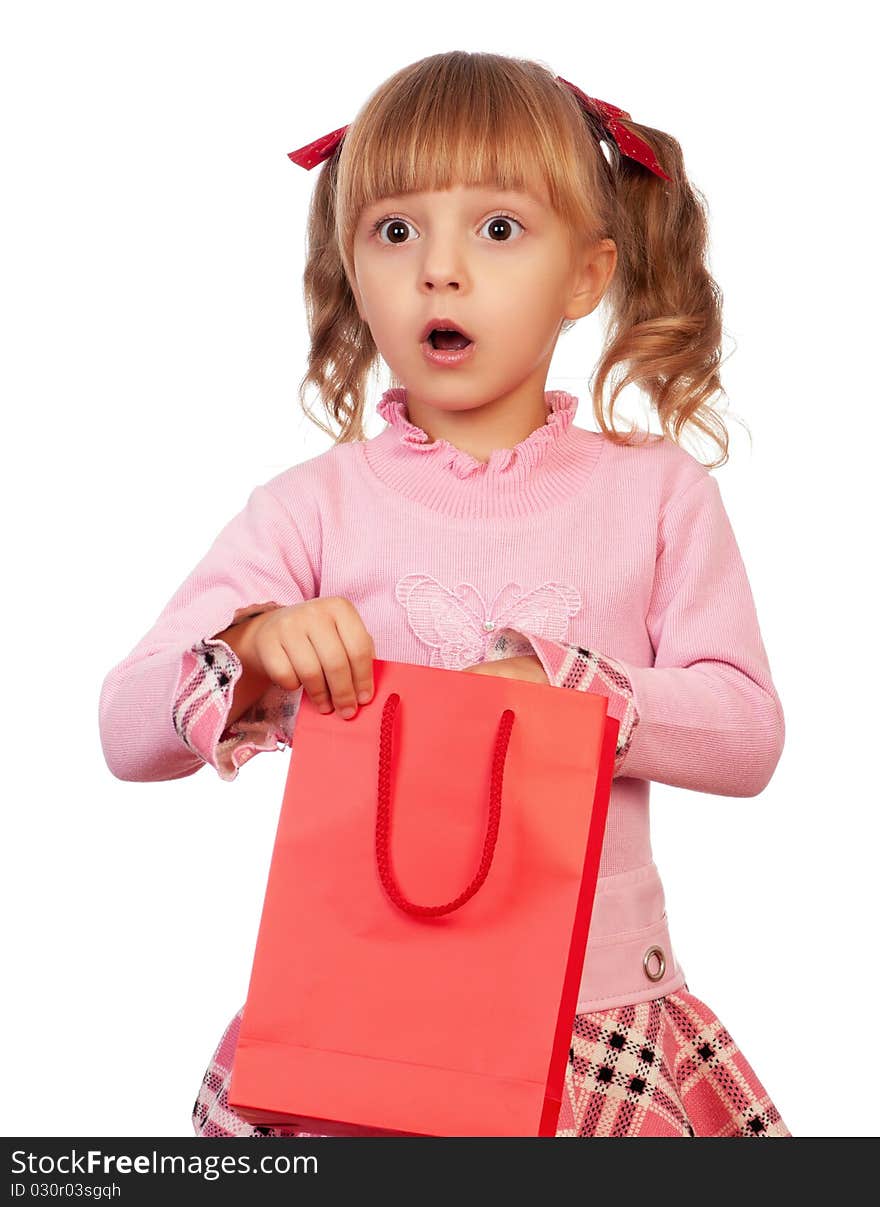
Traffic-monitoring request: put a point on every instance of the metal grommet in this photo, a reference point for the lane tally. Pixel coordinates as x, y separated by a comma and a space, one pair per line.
658, 952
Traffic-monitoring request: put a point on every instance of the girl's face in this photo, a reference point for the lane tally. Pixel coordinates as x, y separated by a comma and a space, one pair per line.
498, 264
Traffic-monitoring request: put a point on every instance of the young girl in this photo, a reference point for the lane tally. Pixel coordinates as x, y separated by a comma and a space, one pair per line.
476, 207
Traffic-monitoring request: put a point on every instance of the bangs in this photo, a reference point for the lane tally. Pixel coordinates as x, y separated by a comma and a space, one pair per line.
467, 119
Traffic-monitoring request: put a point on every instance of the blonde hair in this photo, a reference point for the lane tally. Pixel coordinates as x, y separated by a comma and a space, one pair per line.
473, 119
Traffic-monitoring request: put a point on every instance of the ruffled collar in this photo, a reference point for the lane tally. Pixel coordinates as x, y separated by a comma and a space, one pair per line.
561, 407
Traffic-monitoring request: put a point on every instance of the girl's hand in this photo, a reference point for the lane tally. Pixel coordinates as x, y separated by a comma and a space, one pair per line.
527, 667
321, 645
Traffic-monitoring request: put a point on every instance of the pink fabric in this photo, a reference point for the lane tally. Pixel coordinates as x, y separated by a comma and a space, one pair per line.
616, 565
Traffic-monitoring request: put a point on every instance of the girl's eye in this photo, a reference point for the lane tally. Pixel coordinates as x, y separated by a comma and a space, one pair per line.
394, 224
498, 224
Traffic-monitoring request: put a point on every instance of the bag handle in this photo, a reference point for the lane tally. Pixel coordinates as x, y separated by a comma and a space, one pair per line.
383, 815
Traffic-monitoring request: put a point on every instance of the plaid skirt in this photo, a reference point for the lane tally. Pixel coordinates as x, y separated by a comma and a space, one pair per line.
663, 1068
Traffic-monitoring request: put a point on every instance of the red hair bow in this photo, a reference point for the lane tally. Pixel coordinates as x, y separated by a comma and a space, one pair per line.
628, 144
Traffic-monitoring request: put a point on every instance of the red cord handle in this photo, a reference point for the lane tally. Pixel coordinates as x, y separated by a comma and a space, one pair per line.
383, 815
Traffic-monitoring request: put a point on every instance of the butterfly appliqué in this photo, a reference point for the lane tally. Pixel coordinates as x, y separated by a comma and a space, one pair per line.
460, 628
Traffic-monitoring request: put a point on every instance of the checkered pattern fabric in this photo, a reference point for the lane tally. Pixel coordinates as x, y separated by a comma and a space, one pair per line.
663, 1068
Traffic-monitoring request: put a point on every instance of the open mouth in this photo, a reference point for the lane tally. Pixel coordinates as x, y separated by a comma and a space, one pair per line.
447, 340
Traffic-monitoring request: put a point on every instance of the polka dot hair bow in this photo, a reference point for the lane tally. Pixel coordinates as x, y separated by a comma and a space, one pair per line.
628, 144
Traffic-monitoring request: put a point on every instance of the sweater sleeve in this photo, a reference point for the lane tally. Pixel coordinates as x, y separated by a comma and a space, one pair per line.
706, 716
163, 708
583, 670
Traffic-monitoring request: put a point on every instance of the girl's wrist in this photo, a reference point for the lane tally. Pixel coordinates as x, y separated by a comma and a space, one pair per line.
239, 637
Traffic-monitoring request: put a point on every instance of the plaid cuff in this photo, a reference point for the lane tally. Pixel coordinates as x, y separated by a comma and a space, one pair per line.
572, 666
210, 669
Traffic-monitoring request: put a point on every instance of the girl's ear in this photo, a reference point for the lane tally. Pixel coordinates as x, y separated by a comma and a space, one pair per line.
596, 266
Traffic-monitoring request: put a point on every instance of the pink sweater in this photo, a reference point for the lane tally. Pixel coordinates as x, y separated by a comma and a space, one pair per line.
616, 565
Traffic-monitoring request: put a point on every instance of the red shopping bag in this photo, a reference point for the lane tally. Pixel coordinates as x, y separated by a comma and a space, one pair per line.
425, 920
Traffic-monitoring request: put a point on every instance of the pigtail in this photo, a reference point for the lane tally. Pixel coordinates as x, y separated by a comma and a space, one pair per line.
342, 353
665, 307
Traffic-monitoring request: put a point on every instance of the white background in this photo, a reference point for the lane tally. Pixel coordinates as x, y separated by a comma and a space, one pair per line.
154, 329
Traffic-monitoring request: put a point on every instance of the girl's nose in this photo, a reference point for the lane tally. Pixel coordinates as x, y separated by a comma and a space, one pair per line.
438, 282
442, 274
443, 266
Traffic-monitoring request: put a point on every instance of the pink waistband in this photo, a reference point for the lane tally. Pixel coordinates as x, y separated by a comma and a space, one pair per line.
629, 955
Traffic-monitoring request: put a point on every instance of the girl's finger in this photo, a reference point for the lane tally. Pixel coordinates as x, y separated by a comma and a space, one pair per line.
336, 662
